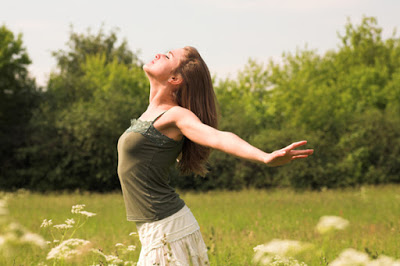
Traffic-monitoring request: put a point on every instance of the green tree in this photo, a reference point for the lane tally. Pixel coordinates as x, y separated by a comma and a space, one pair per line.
330, 100
345, 102
98, 87
18, 96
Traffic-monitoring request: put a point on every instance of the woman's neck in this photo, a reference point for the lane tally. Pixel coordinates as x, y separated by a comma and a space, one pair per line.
161, 97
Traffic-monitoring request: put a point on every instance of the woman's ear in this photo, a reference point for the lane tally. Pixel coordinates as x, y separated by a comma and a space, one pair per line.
175, 80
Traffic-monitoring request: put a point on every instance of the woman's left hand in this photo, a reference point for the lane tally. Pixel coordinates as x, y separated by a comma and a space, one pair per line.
288, 154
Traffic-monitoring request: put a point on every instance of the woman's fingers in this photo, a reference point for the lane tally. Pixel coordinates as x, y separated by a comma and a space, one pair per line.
295, 145
299, 156
301, 152
294, 153
287, 154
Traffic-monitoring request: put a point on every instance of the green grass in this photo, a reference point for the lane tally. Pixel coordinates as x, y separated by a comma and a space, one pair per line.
232, 223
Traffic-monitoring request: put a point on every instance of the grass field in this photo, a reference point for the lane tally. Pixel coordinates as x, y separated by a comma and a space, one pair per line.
232, 223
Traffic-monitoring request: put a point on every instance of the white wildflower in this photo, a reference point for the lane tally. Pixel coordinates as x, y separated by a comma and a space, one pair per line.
48, 242
384, 261
10, 237
350, 257
277, 250
129, 263
276, 260
133, 233
46, 223
56, 241
16, 227
112, 259
62, 226
88, 214
131, 248
282, 247
67, 249
97, 251
70, 221
33, 239
77, 208
328, 223
119, 245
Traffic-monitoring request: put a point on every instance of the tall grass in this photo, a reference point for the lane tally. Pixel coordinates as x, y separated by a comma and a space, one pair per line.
232, 223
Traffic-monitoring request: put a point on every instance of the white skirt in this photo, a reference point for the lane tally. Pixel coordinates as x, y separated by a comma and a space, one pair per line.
175, 240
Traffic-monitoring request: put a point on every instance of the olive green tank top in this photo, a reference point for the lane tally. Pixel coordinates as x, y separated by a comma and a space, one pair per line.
145, 156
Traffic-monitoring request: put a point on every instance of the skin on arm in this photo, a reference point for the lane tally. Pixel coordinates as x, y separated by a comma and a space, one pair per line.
191, 126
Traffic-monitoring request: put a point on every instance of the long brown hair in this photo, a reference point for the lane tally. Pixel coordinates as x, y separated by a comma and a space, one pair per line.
196, 93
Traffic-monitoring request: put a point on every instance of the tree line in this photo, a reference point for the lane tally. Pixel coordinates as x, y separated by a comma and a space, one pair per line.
345, 102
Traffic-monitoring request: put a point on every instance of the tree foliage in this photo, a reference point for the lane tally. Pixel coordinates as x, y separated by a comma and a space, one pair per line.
18, 96
98, 87
345, 102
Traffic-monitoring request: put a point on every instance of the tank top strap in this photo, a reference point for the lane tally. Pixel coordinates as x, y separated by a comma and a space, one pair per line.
155, 119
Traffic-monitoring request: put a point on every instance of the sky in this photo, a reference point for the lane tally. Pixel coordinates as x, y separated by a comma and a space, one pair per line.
226, 32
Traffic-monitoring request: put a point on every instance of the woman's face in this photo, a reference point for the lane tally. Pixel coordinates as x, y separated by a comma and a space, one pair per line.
163, 65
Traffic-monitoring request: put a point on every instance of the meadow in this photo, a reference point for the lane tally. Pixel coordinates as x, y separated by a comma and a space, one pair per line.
232, 222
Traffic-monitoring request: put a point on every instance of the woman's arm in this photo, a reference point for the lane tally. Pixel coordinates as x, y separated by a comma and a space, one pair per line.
191, 126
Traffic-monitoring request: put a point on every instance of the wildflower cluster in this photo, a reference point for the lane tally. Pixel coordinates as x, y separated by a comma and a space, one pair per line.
68, 247
77, 208
13, 235
121, 249
330, 223
280, 252
353, 257
46, 223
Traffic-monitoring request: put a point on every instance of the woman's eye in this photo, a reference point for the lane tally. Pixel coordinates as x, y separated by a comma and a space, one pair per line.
167, 56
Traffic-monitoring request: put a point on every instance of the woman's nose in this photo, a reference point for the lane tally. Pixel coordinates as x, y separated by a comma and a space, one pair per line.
158, 56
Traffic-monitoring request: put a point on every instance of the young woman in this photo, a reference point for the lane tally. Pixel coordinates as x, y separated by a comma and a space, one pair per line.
179, 124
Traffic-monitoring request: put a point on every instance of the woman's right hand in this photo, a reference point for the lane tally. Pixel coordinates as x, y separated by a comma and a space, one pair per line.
287, 154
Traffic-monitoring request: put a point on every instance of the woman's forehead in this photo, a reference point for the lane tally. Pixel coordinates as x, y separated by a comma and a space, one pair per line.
178, 51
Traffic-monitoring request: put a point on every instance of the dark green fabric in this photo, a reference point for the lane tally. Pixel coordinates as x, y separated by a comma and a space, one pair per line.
144, 158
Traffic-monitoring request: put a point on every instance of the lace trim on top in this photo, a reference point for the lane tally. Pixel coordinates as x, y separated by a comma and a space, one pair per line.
147, 129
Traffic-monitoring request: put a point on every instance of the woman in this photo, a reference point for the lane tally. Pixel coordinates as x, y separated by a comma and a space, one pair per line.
180, 122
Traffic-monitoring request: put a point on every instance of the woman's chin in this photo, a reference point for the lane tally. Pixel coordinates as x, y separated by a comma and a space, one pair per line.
148, 71
146, 67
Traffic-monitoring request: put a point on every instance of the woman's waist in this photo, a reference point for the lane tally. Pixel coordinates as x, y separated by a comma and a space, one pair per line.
169, 229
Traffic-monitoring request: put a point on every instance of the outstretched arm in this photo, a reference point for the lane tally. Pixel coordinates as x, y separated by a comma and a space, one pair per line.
191, 126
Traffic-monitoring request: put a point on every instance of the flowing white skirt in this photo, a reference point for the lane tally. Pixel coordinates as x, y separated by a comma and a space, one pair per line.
175, 240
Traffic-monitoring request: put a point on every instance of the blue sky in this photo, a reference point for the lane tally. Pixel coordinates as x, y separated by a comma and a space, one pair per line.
226, 32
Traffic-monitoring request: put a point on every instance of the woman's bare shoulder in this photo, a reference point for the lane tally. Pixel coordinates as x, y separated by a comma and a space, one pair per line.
180, 114
180, 111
